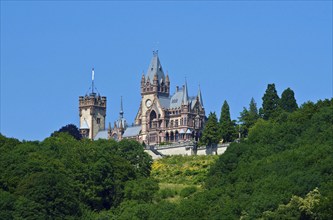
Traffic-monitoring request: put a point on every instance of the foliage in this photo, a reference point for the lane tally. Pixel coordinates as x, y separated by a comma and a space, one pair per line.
188, 170
186, 192
227, 127
270, 102
288, 101
248, 117
141, 190
210, 133
63, 178
297, 208
71, 129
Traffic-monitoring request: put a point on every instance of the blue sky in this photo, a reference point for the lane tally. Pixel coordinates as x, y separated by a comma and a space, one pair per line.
233, 49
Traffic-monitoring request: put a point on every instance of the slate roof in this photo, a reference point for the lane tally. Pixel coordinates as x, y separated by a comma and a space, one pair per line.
101, 135
132, 131
155, 67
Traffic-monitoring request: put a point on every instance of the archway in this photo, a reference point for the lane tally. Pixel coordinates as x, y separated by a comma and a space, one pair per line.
152, 122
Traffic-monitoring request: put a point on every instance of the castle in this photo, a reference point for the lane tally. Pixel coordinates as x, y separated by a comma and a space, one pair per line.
161, 118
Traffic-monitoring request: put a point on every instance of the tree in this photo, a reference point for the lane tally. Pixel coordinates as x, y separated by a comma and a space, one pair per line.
227, 127
248, 117
70, 129
134, 153
210, 133
270, 102
288, 101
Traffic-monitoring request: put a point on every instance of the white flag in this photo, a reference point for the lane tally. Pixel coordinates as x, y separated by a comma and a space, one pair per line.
93, 74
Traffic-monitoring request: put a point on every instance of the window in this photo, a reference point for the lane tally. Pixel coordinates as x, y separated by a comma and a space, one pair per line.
176, 123
98, 120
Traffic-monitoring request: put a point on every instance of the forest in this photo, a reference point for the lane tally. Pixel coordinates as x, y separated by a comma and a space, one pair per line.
280, 168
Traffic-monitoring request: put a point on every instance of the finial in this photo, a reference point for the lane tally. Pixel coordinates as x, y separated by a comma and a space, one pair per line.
155, 48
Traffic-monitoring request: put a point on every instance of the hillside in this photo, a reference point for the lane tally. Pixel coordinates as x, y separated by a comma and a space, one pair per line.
283, 170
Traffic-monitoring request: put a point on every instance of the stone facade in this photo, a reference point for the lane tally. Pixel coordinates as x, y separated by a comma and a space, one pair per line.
161, 118
92, 111
164, 118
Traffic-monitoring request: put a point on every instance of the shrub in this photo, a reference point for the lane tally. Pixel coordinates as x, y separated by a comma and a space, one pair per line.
186, 192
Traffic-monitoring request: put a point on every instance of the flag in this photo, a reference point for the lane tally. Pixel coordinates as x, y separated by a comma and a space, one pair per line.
93, 74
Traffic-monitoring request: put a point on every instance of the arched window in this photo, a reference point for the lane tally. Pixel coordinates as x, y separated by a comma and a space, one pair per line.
176, 136
172, 136
167, 137
152, 119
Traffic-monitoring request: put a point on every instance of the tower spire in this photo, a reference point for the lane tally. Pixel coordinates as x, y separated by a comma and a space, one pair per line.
185, 93
200, 96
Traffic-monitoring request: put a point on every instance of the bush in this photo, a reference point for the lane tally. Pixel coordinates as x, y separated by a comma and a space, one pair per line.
166, 193
186, 192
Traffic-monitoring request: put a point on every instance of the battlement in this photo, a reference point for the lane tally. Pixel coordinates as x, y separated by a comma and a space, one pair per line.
92, 100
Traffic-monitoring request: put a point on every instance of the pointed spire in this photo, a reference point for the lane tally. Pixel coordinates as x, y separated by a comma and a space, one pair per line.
155, 68
185, 94
200, 96
167, 77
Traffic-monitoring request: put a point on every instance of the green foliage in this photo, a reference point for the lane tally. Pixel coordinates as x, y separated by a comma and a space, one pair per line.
270, 102
70, 129
288, 101
279, 159
210, 133
186, 192
227, 127
63, 178
133, 152
298, 208
141, 190
248, 117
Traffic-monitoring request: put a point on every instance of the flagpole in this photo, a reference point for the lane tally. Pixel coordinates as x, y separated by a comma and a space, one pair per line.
92, 80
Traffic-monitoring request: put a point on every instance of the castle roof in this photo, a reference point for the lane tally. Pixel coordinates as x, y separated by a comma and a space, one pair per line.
176, 100
101, 135
132, 131
155, 68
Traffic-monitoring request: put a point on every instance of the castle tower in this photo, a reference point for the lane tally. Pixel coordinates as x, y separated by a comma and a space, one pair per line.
155, 81
92, 111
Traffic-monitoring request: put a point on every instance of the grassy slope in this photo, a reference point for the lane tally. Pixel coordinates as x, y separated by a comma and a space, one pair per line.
176, 173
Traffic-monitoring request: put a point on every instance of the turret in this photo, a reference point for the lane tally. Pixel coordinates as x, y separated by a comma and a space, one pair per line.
92, 112
155, 81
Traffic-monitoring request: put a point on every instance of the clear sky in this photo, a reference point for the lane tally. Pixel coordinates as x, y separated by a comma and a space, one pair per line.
233, 49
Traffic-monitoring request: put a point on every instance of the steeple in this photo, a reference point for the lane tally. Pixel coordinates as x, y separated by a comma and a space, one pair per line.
185, 94
200, 96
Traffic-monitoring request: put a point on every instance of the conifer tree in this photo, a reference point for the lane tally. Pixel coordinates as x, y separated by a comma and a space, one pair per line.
270, 102
227, 127
210, 133
248, 117
288, 101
